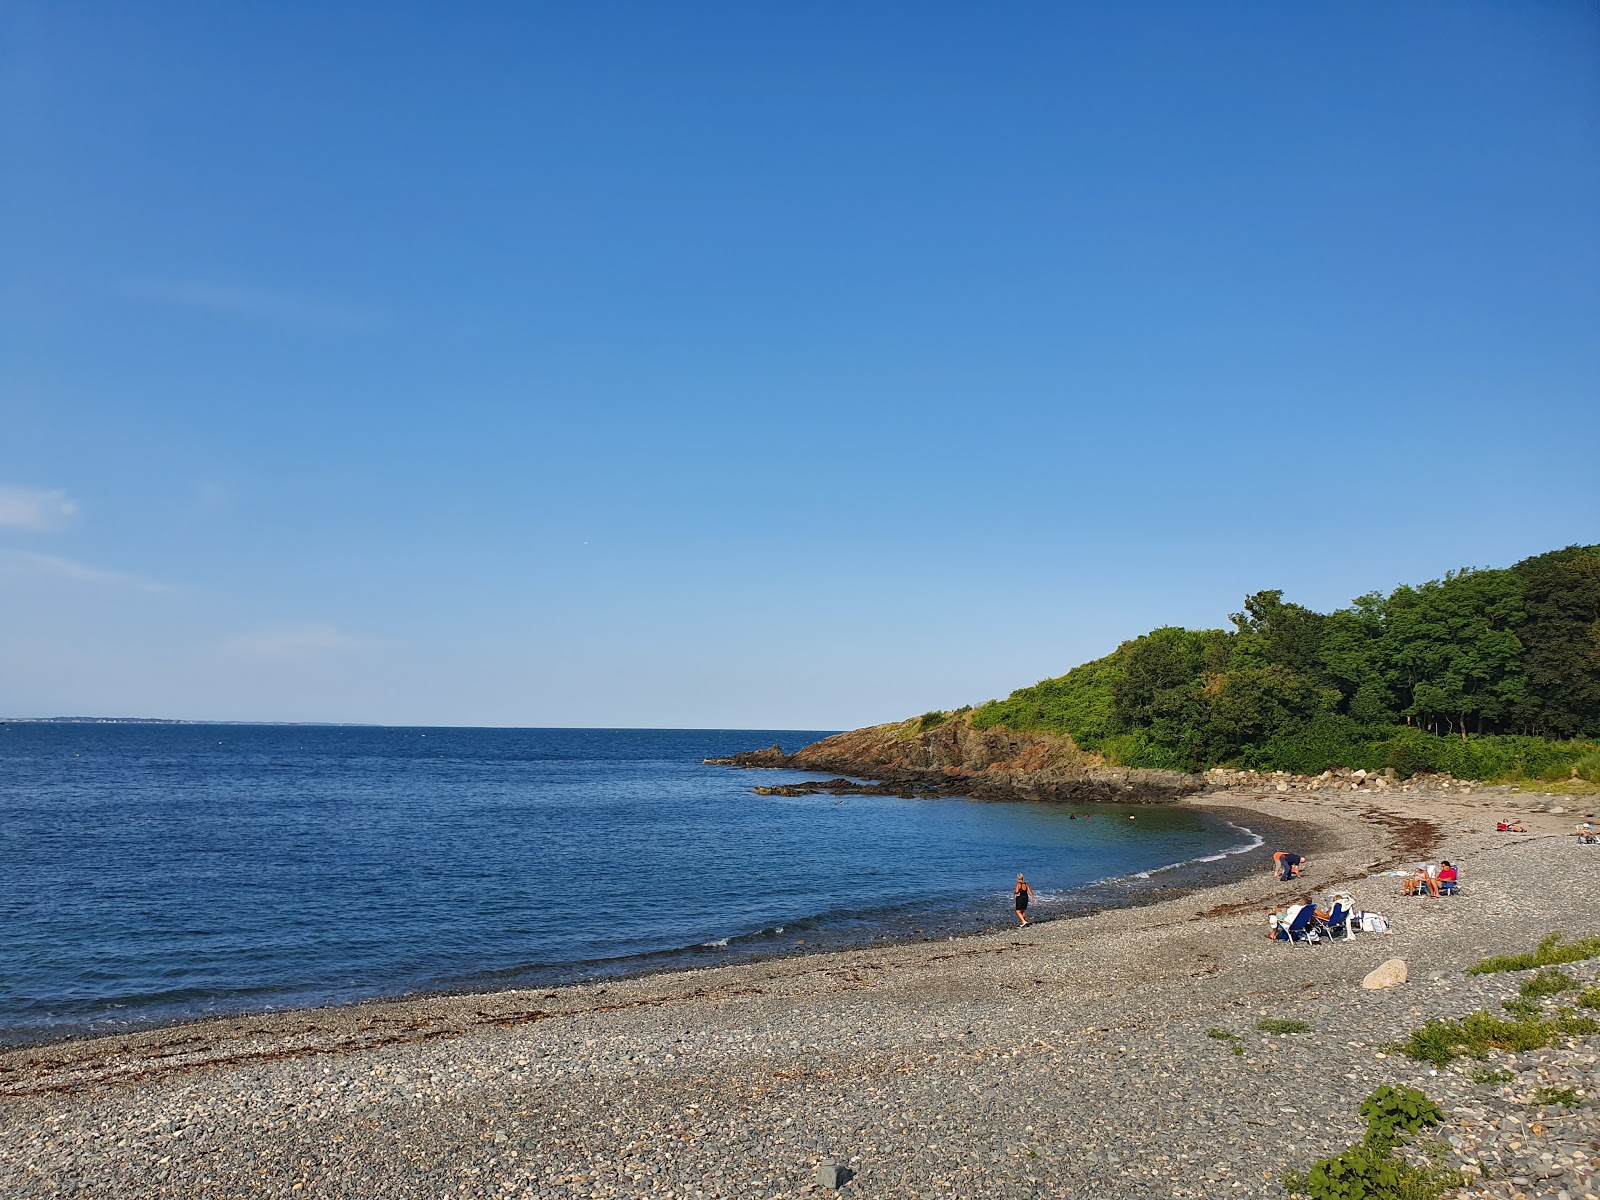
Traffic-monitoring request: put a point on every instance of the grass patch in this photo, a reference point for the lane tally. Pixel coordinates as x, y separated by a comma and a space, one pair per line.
1523, 1007
1278, 1025
1441, 1042
1589, 997
1550, 952
1222, 1035
1549, 982
1482, 1075
1558, 1095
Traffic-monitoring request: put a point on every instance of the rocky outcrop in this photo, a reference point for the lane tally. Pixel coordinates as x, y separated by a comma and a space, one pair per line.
955, 758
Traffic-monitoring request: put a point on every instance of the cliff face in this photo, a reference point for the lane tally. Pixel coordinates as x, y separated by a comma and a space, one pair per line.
993, 764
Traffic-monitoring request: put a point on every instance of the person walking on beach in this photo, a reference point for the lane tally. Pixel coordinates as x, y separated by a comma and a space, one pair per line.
1024, 893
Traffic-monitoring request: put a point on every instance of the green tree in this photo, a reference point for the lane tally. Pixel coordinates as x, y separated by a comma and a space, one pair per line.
1452, 647
1561, 641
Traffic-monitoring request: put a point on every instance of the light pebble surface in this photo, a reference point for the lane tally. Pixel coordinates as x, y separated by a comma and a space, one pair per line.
1067, 1059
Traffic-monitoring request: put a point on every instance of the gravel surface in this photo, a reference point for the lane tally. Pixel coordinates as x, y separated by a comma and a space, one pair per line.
1069, 1059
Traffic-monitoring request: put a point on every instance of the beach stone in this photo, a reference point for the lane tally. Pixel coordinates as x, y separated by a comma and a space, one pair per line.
1386, 975
831, 1174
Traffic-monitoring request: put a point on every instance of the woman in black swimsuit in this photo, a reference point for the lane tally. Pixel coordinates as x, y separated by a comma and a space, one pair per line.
1024, 893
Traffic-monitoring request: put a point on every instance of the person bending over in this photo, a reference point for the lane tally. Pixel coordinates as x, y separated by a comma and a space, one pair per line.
1287, 865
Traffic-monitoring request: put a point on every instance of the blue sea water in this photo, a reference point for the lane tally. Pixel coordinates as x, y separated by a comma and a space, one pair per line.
152, 873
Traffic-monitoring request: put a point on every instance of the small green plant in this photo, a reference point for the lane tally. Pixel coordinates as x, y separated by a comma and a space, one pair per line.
1550, 952
1369, 1170
1238, 1050
1589, 997
1222, 1035
1441, 1042
1279, 1025
1558, 1095
1484, 1076
1391, 1111
1523, 1007
1549, 982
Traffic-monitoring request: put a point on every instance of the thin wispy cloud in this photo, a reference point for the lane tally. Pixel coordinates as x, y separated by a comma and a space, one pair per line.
22, 565
250, 303
304, 641
34, 509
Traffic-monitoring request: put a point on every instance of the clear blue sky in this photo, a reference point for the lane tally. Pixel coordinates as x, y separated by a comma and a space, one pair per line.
760, 365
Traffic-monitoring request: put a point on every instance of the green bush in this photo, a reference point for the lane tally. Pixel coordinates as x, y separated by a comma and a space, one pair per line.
1391, 1111
1549, 982
1369, 1170
1442, 1042
1330, 740
1551, 951
1414, 752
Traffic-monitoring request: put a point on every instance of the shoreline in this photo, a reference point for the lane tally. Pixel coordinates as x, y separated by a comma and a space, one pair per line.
1070, 1055
1133, 890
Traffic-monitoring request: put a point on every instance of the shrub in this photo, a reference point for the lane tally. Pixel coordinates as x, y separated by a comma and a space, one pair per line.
1222, 1034
1369, 1170
1549, 982
1442, 1042
1589, 997
1391, 1111
1549, 952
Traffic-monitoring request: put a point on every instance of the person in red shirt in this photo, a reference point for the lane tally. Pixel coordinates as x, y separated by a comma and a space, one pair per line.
1447, 877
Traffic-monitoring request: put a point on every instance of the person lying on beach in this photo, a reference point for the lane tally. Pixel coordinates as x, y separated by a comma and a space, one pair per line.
1024, 893
1286, 865
1510, 827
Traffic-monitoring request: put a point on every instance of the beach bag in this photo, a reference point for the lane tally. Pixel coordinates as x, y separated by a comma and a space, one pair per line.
1373, 923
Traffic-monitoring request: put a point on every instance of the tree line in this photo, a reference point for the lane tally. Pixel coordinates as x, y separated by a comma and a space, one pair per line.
1485, 673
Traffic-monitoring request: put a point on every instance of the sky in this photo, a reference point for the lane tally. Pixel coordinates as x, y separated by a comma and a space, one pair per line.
764, 366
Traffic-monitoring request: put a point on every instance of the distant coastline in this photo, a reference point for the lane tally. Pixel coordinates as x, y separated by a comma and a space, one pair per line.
176, 721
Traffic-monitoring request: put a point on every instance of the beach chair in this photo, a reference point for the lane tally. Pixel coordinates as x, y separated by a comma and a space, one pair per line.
1338, 923
1301, 928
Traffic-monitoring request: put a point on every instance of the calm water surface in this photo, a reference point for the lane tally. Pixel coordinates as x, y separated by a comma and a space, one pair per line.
150, 873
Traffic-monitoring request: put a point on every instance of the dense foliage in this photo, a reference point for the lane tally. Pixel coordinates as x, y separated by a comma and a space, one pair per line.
1486, 674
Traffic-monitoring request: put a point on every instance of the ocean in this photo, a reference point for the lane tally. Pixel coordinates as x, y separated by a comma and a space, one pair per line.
152, 873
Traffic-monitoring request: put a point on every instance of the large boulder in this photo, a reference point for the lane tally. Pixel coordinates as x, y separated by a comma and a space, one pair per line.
1386, 975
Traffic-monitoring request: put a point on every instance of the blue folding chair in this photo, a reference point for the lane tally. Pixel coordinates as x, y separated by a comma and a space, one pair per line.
1338, 922
1299, 929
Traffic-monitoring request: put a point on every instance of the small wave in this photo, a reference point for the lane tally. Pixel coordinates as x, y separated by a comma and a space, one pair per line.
718, 944
1256, 840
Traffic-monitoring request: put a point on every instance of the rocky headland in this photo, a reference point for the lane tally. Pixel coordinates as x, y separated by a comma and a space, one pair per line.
955, 758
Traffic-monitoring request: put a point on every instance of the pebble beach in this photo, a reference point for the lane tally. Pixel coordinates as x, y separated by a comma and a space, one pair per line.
1076, 1057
